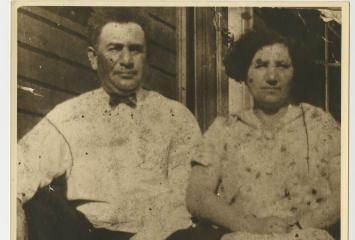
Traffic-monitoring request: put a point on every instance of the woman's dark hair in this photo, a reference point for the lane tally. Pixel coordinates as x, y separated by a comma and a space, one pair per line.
241, 53
100, 16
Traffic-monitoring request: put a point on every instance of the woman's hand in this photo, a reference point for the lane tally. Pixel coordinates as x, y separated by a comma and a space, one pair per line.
269, 225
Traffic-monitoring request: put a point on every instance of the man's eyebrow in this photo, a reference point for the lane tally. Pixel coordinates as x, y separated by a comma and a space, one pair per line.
130, 45
136, 44
115, 44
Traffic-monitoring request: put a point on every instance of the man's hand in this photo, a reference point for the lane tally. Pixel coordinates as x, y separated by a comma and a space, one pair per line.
21, 230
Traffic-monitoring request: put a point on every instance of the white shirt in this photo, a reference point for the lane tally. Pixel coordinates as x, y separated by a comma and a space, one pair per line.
133, 163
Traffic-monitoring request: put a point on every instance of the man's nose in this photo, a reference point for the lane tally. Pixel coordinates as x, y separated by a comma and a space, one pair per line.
126, 58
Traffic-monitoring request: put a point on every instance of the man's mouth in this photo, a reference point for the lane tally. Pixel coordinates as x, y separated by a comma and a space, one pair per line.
129, 74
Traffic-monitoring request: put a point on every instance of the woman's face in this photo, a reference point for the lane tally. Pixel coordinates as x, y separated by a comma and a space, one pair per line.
269, 76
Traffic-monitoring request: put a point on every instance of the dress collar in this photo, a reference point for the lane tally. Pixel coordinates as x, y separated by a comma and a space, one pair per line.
249, 117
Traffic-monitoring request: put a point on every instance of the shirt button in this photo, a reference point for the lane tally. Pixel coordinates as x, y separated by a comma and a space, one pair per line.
269, 134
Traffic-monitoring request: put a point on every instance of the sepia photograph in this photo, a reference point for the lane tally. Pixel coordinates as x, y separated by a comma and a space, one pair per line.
195, 122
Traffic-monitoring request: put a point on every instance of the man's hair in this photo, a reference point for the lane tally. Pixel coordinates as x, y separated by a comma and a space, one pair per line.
241, 53
100, 16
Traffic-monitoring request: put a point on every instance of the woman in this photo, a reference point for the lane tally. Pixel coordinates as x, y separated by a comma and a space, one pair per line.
272, 172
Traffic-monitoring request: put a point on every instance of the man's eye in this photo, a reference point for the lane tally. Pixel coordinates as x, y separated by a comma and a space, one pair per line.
115, 48
136, 48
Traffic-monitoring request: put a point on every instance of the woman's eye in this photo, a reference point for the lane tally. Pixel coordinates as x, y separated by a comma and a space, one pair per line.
284, 65
260, 65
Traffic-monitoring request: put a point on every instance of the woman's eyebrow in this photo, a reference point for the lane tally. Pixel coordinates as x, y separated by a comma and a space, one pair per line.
260, 61
283, 62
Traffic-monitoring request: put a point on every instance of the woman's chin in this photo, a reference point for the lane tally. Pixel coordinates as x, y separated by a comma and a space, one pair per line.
273, 102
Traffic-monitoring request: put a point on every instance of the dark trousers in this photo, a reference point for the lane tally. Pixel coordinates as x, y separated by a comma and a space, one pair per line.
51, 216
200, 232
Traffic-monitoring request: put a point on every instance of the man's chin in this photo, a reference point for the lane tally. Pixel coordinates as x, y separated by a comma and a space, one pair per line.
123, 90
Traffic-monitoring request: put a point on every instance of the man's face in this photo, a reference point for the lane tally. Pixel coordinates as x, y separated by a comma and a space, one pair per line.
270, 75
119, 57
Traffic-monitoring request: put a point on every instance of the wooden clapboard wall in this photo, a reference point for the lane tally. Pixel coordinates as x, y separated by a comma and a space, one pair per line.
52, 61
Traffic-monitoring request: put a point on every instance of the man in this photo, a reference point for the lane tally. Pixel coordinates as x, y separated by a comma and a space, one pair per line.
123, 151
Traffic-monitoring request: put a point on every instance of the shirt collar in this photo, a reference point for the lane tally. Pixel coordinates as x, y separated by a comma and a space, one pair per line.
136, 98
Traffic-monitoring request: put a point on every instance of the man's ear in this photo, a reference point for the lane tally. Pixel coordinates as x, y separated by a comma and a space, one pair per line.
92, 57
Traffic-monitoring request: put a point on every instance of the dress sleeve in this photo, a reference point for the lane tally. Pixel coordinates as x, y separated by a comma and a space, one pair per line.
211, 149
327, 138
331, 138
42, 154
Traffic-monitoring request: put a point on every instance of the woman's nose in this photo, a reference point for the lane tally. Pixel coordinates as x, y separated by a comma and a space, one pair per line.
271, 77
272, 81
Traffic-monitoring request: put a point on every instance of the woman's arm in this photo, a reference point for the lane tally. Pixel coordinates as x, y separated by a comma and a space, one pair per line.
328, 135
328, 211
203, 202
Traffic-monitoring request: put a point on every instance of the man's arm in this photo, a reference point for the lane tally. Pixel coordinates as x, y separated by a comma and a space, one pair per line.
42, 155
170, 213
21, 230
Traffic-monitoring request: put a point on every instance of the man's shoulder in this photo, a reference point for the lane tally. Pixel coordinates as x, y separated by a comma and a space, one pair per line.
163, 103
75, 106
174, 110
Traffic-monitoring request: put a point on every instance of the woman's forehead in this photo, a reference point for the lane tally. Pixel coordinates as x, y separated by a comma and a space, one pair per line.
273, 51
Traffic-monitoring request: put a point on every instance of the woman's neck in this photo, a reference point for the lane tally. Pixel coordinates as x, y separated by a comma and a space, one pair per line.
270, 117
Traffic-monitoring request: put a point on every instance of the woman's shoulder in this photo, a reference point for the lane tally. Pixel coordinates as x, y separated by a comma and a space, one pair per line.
318, 116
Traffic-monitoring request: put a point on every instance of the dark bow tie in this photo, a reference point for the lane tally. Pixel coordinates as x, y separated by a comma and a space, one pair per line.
130, 100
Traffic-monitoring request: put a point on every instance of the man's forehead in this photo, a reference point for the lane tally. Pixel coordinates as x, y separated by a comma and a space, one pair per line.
129, 32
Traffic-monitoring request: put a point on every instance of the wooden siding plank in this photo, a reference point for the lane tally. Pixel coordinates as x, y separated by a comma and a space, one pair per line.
55, 72
162, 36
161, 83
39, 34
76, 14
58, 20
25, 122
166, 14
38, 99
162, 59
